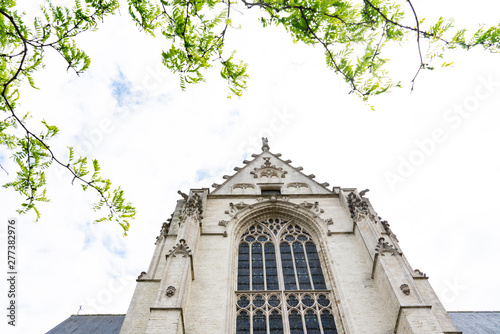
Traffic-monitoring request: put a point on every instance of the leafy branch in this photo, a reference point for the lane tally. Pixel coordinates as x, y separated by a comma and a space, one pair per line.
353, 36
32, 152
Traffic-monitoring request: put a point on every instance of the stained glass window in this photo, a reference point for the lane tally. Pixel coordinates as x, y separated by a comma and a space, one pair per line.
281, 287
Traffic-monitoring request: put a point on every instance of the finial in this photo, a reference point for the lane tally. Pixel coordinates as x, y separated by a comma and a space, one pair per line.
265, 144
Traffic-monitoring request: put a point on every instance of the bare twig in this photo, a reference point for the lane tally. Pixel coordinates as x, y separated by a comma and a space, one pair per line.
422, 65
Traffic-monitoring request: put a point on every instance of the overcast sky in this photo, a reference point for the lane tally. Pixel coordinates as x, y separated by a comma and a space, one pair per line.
433, 171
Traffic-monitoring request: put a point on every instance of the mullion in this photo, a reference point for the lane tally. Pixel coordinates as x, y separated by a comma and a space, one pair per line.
287, 262
315, 266
257, 267
271, 271
301, 267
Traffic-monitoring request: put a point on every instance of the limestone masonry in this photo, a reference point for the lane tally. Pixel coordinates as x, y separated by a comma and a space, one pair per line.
273, 251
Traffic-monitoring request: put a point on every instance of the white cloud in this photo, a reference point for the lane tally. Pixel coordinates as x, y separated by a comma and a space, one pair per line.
169, 138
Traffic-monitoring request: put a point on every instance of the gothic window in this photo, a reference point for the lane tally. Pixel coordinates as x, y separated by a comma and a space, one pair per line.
281, 287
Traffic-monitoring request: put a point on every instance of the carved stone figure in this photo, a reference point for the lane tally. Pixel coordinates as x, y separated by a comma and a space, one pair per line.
357, 206
142, 274
193, 206
363, 192
265, 144
170, 291
185, 196
405, 288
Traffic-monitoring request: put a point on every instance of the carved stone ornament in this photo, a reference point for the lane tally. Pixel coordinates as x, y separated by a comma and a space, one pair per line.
314, 207
170, 291
297, 185
185, 196
329, 221
325, 184
223, 223
362, 193
265, 144
215, 185
384, 247
418, 273
358, 207
234, 208
142, 274
387, 228
268, 170
180, 249
164, 230
244, 186
193, 206
405, 288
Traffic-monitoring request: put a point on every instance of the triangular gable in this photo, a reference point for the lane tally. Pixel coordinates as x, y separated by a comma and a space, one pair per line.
268, 172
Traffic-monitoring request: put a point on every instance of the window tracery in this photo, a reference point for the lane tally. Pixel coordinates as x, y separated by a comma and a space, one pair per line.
281, 287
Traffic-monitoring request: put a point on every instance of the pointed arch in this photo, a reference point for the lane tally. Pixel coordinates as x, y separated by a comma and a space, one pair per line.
280, 283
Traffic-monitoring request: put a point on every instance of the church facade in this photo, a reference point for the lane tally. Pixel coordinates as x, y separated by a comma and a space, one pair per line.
273, 251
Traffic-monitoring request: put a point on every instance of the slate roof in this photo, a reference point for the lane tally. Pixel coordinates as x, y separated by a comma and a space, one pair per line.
466, 322
476, 322
92, 323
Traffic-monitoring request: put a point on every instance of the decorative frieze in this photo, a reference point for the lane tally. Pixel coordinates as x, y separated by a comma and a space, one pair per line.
244, 186
268, 170
297, 185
